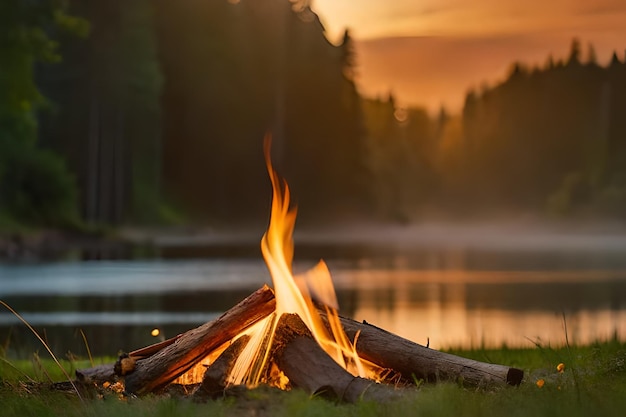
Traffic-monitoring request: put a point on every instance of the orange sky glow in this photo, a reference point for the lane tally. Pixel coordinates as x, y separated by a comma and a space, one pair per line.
430, 52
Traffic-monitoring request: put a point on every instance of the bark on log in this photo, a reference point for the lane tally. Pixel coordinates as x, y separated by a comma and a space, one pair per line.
158, 370
97, 375
413, 360
309, 368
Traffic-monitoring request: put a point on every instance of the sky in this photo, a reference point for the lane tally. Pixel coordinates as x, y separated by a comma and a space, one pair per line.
431, 52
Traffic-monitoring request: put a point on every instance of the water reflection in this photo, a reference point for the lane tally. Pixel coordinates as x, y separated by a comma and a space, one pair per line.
491, 308
489, 301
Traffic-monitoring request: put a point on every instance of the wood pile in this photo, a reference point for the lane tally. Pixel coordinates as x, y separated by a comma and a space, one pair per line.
296, 354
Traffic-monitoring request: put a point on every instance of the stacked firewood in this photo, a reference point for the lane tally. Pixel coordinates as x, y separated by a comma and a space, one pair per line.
298, 356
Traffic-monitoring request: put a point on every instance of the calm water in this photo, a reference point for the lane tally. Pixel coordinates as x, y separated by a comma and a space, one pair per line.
447, 297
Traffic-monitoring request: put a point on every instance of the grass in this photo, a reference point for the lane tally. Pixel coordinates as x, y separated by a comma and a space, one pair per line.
592, 383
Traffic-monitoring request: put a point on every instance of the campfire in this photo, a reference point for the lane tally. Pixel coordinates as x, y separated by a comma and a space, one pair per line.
291, 336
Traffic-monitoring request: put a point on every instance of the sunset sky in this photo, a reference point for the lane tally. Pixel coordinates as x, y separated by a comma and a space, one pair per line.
430, 52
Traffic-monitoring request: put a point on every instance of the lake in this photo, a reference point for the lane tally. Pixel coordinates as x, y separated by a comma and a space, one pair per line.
462, 296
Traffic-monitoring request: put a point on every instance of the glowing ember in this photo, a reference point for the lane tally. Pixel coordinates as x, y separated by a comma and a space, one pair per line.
293, 295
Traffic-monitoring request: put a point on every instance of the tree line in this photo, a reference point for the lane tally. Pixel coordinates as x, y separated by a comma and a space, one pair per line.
549, 139
152, 111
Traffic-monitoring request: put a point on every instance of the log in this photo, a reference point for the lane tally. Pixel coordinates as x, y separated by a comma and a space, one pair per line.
151, 368
106, 372
414, 361
98, 374
148, 351
214, 382
155, 372
309, 368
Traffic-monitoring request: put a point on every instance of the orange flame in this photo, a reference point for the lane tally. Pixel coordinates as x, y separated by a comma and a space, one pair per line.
293, 295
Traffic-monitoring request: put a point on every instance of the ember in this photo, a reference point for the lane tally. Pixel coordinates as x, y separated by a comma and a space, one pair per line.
283, 338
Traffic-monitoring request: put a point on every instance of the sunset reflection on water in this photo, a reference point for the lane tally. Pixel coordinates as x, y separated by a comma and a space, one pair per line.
471, 309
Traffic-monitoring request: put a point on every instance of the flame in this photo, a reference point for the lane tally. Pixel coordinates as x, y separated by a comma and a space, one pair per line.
294, 295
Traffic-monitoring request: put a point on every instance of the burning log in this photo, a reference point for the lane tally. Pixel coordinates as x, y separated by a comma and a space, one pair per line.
309, 368
413, 360
214, 382
158, 370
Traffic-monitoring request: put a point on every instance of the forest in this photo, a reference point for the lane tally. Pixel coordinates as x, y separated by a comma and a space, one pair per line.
153, 112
